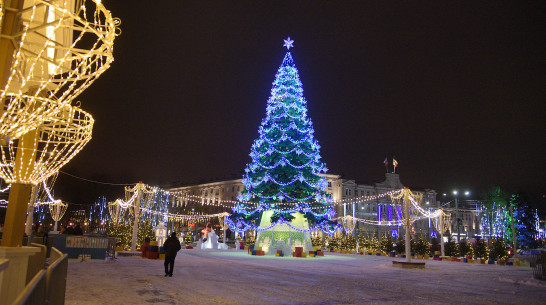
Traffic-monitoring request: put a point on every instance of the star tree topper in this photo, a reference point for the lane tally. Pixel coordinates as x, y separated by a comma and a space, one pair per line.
288, 43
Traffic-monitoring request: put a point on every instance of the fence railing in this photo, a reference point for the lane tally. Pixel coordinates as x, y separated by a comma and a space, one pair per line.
34, 292
36, 262
56, 277
47, 286
539, 265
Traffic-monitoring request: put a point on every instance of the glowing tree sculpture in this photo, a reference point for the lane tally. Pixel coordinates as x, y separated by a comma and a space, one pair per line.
138, 199
284, 197
117, 210
407, 199
442, 223
57, 210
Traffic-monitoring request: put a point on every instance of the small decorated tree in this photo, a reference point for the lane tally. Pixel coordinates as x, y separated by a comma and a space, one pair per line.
421, 246
374, 244
464, 248
363, 242
499, 251
434, 246
188, 240
387, 244
121, 232
145, 230
413, 243
250, 238
318, 241
333, 242
348, 242
450, 247
400, 246
480, 249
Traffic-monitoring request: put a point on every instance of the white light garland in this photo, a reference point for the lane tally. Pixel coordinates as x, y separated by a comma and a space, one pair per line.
347, 221
210, 201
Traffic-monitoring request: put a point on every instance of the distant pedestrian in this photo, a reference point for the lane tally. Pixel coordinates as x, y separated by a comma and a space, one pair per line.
78, 230
70, 229
171, 247
43, 230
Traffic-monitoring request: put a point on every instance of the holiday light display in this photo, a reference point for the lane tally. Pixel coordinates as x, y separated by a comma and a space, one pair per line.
284, 174
57, 209
442, 225
442, 222
137, 205
99, 216
348, 224
56, 48
407, 198
283, 187
50, 51
42, 152
281, 206
117, 210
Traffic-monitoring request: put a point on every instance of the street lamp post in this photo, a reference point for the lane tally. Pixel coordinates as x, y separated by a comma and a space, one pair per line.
457, 213
457, 216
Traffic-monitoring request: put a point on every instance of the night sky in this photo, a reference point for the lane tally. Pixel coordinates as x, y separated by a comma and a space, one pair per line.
455, 90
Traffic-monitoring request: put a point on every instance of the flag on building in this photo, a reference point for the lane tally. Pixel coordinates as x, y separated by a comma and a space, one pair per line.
386, 162
394, 162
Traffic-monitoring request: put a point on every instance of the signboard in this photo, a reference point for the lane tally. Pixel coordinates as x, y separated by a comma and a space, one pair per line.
86, 242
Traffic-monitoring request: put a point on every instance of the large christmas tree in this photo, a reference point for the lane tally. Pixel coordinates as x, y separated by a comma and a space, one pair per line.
285, 197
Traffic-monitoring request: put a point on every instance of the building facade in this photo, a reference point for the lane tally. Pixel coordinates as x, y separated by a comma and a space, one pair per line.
208, 198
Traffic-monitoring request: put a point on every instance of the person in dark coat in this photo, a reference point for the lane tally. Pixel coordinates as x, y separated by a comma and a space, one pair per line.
70, 230
171, 247
78, 230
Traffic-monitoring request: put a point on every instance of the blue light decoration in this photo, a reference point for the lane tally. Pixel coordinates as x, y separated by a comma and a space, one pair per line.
159, 202
390, 214
283, 178
399, 212
394, 233
99, 216
433, 234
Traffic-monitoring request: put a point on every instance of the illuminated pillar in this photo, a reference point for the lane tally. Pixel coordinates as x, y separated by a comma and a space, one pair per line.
30, 211
441, 228
136, 214
19, 195
407, 225
514, 243
354, 216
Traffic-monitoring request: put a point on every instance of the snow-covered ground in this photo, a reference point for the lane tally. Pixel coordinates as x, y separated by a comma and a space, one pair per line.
234, 277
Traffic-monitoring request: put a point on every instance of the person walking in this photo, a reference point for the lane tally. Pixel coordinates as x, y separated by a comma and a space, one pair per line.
78, 230
171, 247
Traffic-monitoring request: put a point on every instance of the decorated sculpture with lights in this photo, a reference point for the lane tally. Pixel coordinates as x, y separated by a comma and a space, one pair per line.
284, 197
54, 49
50, 51
138, 199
